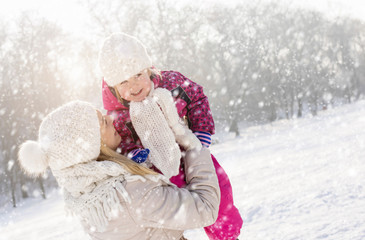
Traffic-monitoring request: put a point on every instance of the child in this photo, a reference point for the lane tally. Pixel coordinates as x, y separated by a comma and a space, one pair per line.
129, 78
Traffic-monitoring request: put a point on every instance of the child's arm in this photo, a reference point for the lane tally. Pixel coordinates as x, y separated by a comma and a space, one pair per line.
198, 112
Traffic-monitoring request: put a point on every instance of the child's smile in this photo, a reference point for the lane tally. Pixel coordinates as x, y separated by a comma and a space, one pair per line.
136, 94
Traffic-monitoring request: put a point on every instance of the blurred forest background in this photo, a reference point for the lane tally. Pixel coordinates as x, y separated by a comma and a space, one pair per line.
258, 63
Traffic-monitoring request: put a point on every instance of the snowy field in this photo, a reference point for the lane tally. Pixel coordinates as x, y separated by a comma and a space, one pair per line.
298, 179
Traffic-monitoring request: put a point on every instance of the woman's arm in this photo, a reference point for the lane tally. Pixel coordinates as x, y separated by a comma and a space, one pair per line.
166, 206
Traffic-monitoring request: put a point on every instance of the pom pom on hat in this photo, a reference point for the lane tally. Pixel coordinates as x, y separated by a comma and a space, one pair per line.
67, 136
32, 158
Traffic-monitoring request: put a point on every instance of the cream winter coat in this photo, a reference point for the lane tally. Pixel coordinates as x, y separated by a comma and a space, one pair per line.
160, 210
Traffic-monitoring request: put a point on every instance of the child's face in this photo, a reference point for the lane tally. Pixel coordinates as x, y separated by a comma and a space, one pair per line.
109, 136
136, 88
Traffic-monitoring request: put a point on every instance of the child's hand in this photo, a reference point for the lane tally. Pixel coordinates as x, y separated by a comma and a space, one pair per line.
139, 155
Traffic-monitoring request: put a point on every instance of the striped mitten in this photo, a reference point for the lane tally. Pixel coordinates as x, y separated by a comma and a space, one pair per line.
204, 137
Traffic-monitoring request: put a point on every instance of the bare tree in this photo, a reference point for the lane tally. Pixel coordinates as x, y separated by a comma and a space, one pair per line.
31, 86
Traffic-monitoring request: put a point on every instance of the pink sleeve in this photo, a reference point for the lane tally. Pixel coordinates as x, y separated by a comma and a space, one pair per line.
198, 110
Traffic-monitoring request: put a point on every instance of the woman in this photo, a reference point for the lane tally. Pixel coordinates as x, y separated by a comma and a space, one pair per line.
114, 197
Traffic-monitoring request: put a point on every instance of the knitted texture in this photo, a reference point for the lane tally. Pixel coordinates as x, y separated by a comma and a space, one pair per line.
154, 131
71, 135
121, 57
159, 127
91, 190
67, 136
183, 135
69, 142
78, 179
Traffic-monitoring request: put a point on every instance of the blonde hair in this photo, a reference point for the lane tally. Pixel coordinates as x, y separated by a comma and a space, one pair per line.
110, 155
107, 154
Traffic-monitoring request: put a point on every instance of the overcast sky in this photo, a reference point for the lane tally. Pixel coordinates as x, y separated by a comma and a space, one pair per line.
72, 16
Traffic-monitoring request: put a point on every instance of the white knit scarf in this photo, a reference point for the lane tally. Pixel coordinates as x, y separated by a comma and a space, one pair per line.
160, 128
90, 190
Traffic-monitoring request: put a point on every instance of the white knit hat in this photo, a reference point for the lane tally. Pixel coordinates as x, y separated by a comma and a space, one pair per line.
67, 136
121, 57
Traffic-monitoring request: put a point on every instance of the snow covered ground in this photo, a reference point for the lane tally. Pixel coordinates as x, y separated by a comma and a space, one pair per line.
298, 179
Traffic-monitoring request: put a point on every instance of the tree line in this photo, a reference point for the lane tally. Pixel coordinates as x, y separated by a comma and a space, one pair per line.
257, 64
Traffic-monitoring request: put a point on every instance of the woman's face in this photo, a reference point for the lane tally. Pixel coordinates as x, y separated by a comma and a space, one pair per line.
109, 136
136, 88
